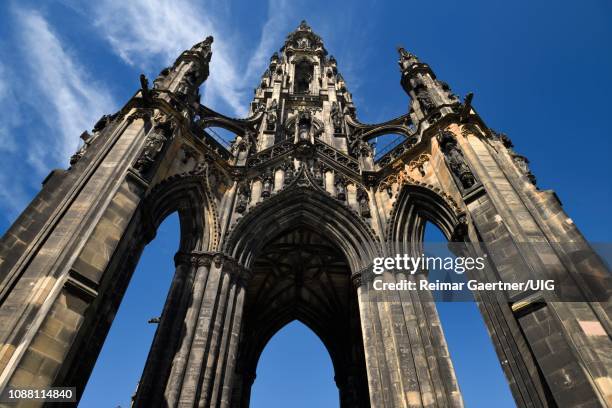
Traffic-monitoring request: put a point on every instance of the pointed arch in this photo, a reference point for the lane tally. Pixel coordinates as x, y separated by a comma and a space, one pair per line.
415, 205
189, 195
303, 206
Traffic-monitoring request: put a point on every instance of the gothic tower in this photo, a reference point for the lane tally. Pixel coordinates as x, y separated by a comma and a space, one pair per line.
283, 225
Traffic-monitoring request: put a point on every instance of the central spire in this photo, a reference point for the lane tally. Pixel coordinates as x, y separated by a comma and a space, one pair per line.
302, 96
304, 38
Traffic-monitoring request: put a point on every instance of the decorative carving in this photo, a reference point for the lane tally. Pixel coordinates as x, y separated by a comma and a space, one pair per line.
240, 146
455, 159
289, 171
87, 139
267, 183
521, 162
144, 114
201, 168
154, 143
188, 86
420, 163
163, 74
406, 59
470, 129
364, 149
461, 228
102, 123
188, 153
336, 117
340, 184
144, 88
244, 194
218, 260
403, 177
364, 202
304, 124
318, 172
424, 99
271, 116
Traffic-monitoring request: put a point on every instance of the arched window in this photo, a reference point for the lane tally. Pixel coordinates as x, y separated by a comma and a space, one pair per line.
304, 72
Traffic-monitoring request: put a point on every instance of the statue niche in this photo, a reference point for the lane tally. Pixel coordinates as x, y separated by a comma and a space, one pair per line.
455, 160
271, 116
304, 72
336, 117
304, 124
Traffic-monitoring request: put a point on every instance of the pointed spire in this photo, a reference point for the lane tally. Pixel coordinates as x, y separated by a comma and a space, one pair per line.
304, 26
406, 59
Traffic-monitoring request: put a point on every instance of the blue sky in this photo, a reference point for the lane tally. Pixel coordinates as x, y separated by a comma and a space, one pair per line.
540, 71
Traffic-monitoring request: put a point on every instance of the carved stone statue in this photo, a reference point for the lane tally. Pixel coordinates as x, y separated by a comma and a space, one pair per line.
87, 139
240, 146
154, 143
271, 116
424, 99
289, 171
363, 200
522, 163
303, 43
102, 123
243, 198
267, 184
455, 159
304, 124
340, 189
364, 149
336, 117
317, 172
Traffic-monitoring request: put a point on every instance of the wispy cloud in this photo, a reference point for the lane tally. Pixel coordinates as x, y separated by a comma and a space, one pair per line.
76, 101
44, 108
145, 34
275, 28
10, 116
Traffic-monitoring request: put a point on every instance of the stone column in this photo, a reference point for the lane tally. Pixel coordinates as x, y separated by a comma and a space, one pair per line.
169, 331
407, 357
202, 368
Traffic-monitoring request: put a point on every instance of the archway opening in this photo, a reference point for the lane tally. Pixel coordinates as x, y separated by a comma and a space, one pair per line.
383, 144
479, 373
224, 136
301, 274
304, 72
120, 363
294, 370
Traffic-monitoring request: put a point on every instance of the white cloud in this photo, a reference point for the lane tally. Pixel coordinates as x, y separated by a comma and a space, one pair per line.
75, 100
9, 111
272, 34
145, 34
45, 105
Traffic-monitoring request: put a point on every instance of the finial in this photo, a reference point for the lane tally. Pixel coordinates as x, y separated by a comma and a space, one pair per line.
406, 59
144, 88
304, 26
